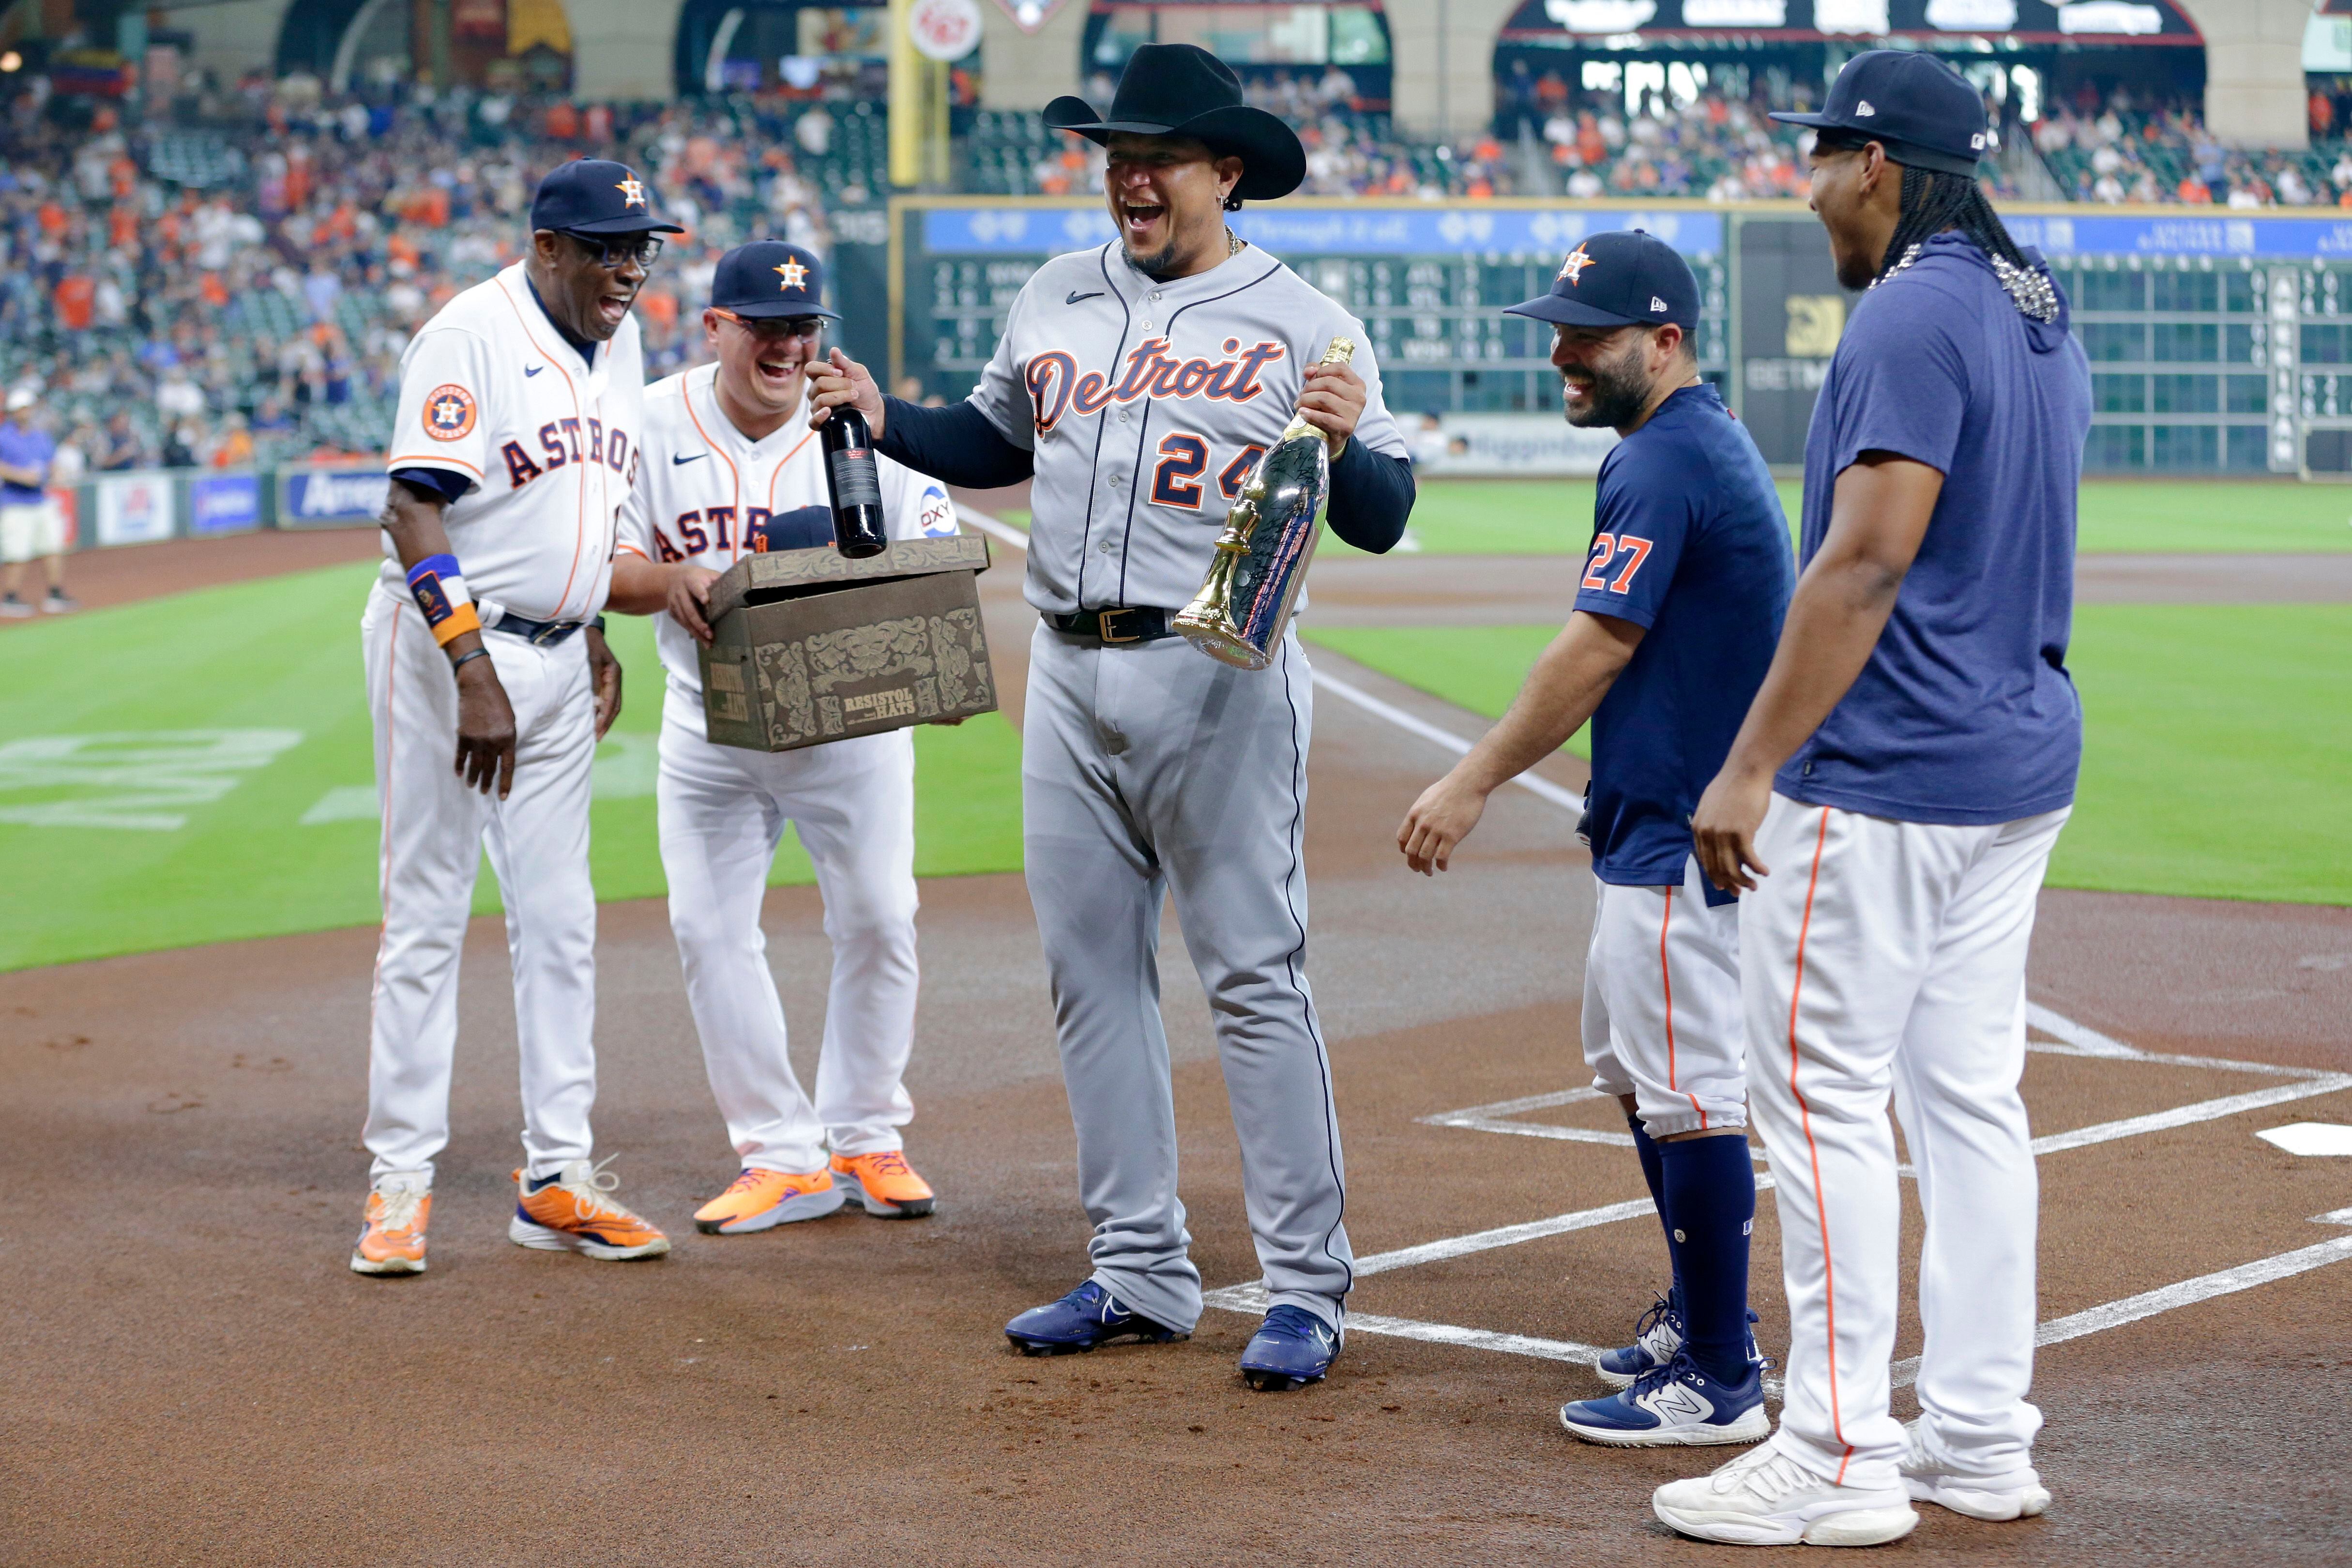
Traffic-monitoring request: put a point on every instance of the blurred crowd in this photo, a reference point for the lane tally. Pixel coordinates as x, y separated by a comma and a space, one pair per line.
237, 286
252, 306
2114, 149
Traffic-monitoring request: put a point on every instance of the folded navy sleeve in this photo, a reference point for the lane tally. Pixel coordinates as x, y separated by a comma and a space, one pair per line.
444, 485
957, 444
1371, 498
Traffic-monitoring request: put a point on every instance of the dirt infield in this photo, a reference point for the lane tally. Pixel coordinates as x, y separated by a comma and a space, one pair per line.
195, 1377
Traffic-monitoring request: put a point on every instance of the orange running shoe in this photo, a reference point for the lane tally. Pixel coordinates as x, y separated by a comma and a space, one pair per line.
759, 1200
883, 1185
575, 1212
392, 1239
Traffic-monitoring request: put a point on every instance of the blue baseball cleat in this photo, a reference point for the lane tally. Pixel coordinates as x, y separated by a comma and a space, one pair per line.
1656, 1338
1293, 1346
1674, 1405
1086, 1318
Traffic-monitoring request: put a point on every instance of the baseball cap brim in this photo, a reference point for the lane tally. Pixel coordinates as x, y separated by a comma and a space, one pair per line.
1570, 313
1910, 155
628, 223
766, 310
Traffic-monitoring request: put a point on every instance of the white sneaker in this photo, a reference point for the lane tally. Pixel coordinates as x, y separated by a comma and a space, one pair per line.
1766, 1498
2019, 1494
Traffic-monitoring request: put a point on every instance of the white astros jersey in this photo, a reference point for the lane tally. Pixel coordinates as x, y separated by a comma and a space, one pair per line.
1145, 403
705, 487
489, 389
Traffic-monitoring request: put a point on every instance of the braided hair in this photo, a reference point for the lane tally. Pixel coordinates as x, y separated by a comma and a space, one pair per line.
1932, 202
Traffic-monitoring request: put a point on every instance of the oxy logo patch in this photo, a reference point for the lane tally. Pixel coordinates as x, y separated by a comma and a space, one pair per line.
1057, 387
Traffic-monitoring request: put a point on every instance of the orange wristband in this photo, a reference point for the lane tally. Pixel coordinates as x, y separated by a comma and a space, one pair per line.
457, 624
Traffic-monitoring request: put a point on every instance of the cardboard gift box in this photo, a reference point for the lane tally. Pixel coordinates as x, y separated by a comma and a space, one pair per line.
808, 648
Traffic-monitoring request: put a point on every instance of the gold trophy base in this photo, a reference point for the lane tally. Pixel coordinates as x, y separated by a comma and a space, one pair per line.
1220, 639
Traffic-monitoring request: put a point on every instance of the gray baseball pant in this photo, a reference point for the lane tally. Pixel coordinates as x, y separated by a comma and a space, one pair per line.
1147, 769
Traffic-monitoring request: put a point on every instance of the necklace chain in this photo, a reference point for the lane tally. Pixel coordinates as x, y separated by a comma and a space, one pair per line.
2029, 290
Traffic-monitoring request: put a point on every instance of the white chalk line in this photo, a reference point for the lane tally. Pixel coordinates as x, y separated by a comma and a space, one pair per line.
2074, 1039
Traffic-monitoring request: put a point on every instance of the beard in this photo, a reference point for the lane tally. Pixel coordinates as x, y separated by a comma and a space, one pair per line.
1619, 389
1856, 272
1159, 264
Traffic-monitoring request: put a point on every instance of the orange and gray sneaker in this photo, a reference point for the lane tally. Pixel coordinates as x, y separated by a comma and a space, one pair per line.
759, 1200
573, 1211
883, 1185
392, 1239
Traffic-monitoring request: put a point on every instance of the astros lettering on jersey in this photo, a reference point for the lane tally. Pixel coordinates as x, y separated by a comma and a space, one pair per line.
707, 489
489, 389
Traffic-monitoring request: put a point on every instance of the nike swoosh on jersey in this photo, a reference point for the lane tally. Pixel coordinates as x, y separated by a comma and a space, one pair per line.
533, 370
674, 459
1075, 296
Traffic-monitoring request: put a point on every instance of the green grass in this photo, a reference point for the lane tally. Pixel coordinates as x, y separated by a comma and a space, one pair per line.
1546, 517
283, 655
2217, 739
2184, 516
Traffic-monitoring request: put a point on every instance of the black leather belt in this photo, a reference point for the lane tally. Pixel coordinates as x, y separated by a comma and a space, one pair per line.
1119, 624
541, 633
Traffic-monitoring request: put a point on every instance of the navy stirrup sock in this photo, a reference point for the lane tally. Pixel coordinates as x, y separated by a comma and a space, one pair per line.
1710, 1188
1654, 1172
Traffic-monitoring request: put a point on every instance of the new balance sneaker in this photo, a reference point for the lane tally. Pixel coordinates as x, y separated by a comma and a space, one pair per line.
883, 1185
1087, 1318
2019, 1494
14, 608
1675, 1404
761, 1200
392, 1229
60, 602
575, 1212
1293, 1346
1656, 1338
1766, 1498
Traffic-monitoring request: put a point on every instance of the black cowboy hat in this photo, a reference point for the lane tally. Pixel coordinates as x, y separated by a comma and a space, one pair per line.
1182, 89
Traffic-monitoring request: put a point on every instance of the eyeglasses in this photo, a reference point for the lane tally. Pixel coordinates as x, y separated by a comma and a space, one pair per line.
774, 327
612, 254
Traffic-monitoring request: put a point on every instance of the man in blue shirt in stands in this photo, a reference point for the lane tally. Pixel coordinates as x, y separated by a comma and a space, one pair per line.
31, 526
1684, 587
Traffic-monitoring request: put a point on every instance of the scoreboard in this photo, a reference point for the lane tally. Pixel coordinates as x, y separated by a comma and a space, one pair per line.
1429, 281
2219, 343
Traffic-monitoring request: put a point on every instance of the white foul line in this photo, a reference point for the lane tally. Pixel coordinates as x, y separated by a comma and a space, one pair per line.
2185, 1293
1003, 532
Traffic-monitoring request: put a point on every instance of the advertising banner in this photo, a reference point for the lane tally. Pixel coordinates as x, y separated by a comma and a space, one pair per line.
1505, 446
134, 509
330, 497
1362, 228
223, 503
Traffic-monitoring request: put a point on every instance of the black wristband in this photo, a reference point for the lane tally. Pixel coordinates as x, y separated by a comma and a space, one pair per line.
463, 659
597, 626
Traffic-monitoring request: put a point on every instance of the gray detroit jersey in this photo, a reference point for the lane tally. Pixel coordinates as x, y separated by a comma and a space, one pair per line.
1145, 403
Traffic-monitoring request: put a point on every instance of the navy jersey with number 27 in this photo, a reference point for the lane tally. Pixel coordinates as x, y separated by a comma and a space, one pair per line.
1689, 542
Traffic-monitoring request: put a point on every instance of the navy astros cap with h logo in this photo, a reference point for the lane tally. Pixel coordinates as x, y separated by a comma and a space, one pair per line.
1622, 279
1924, 112
769, 277
593, 196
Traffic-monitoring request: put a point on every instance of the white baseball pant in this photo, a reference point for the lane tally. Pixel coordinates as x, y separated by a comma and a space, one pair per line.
1878, 954
722, 812
1662, 1011
434, 830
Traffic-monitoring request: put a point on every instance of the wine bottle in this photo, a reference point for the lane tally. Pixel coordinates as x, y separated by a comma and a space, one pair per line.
853, 483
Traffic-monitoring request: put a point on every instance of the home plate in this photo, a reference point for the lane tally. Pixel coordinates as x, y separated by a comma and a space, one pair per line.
2310, 1138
